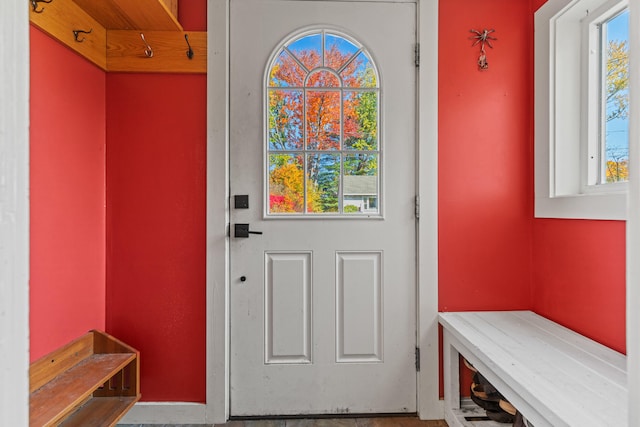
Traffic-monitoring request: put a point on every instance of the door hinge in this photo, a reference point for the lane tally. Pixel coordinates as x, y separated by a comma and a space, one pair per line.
417, 359
417, 207
416, 54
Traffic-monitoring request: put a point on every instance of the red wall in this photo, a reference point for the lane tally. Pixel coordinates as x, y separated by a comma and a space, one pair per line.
579, 277
485, 157
156, 228
156, 223
67, 284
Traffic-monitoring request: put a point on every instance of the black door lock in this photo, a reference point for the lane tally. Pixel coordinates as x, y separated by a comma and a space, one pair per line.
241, 201
242, 230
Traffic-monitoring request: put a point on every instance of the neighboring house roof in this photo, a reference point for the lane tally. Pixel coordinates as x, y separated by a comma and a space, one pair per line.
360, 185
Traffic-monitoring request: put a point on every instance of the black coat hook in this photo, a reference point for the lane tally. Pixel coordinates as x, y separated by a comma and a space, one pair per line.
76, 33
190, 51
34, 5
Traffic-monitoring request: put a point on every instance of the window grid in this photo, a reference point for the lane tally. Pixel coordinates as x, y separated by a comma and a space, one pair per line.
303, 150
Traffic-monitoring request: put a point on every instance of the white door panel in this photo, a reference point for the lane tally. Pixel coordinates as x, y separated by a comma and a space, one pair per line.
324, 320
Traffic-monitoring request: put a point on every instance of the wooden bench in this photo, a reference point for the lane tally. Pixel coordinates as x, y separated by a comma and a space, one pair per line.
92, 381
552, 375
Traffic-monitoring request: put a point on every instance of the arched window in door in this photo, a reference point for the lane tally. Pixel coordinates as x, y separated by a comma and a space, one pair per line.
322, 120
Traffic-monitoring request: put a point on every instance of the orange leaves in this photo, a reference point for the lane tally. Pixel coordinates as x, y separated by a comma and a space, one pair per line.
286, 186
323, 120
617, 170
286, 189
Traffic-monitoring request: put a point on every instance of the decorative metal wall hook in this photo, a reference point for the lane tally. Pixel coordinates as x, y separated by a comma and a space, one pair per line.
482, 37
148, 51
34, 5
190, 51
76, 33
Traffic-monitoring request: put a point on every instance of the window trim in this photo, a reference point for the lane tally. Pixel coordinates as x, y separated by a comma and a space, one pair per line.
560, 83
594, 110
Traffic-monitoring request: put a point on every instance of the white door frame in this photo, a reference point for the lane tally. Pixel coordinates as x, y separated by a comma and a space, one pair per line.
217, 408
14, 214
633, 223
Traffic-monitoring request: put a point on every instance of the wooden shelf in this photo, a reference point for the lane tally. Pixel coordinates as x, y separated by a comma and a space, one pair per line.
158, 15
100, 411
111, 32
91, 381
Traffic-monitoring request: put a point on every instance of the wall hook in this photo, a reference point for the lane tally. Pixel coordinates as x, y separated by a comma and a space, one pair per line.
148, 51
34, 5
76, 33
190, 51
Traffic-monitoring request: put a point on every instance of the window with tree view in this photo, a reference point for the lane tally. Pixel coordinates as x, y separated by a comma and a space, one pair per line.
614, 109
322, 128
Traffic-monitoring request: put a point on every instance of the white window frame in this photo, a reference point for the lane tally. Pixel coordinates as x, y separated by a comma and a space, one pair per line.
563, 93
594, 110
304, 151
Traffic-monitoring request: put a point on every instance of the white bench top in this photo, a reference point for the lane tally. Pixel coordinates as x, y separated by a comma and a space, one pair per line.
546, 370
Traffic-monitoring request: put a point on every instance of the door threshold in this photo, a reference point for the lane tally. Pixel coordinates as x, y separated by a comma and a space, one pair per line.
322, 416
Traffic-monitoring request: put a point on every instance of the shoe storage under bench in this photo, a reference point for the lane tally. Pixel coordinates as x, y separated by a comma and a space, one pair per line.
555, 377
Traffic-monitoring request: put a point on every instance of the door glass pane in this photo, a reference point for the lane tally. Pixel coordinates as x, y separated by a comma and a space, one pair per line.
285, 119
308, 50
323, 78
286, 183
360, 73
337, 51
323, 120
323, 171
360, 120
286, 72
360, 179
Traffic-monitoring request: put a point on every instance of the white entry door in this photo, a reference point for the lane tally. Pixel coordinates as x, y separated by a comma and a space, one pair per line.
322, 164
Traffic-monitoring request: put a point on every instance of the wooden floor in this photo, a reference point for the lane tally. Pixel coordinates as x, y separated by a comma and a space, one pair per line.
339, 422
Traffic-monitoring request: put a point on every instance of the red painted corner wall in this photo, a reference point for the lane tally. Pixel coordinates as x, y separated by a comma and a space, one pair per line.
156, 228
485, 157
579, 273
579, 277
67, 173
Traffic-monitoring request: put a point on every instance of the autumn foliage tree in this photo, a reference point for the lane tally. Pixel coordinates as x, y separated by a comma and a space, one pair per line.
306, 99
617, 105
617, 80
287, 187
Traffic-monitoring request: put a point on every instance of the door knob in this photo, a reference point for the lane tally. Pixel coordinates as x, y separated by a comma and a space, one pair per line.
242, 230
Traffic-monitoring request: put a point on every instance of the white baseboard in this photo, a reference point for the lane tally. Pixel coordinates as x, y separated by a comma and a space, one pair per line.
166, 413
436, 412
